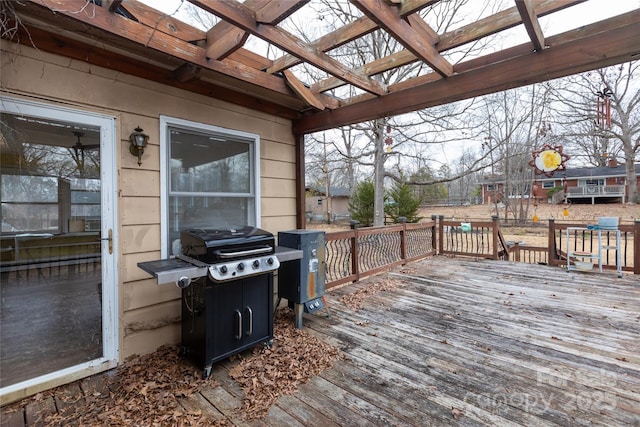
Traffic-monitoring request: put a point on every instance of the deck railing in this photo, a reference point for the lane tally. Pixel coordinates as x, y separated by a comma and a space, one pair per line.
353, 254
529, 254
596, 190
587, 241
481, 239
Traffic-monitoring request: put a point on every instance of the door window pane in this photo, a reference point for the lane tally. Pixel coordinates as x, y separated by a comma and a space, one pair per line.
51, 305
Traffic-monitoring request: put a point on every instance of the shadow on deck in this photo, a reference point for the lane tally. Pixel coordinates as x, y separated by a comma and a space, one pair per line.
466, 342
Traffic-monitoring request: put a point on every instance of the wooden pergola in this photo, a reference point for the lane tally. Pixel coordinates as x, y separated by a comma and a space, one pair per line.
131, 37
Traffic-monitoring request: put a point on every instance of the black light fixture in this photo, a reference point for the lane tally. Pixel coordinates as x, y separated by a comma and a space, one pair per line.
138, 141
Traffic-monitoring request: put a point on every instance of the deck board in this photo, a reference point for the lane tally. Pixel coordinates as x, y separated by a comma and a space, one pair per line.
461, 342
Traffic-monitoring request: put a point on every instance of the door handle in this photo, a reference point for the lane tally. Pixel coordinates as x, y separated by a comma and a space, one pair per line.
239, 325
110, 239
250, 326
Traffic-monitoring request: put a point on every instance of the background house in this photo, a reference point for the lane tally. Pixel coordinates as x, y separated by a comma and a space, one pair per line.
604, 184
491, 189
317, 203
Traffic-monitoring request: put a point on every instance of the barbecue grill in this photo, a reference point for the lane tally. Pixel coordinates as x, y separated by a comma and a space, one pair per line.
226, 278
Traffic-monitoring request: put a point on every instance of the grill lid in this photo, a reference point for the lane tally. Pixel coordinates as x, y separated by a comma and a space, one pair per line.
218, 245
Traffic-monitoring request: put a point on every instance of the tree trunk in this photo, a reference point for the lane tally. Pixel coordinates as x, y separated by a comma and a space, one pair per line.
632, 183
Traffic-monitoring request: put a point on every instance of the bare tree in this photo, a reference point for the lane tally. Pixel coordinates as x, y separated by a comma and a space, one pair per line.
407, 138
593, 142
514, 124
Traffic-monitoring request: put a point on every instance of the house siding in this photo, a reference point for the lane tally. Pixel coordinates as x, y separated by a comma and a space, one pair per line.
150, 314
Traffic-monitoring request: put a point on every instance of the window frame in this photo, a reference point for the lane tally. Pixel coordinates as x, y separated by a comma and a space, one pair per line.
252, 139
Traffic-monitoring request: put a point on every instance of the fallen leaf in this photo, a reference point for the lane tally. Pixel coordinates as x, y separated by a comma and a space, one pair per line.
456, 413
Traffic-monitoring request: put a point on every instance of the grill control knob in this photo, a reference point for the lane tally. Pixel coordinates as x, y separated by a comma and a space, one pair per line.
240, 266
256, 264
223, 269
270, 261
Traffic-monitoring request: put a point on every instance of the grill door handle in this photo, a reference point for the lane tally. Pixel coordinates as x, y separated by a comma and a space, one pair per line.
250, 326
239, 325
234, 254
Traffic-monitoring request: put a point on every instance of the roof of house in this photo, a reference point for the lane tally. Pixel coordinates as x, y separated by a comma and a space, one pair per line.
589, 172
572, 173
333, 191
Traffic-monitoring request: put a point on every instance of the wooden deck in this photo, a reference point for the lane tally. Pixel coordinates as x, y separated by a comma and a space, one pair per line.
463, 342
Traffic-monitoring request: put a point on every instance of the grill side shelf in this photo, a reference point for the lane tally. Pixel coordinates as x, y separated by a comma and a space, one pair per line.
171, 270
284, 253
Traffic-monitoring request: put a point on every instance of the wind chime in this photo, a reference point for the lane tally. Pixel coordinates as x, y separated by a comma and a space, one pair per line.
388, 140
603, 114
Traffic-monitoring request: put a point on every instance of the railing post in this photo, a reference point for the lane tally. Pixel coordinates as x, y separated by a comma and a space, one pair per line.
551, 242
403, 238
355, 268
434, 239
494, 219
636, 246
440, 234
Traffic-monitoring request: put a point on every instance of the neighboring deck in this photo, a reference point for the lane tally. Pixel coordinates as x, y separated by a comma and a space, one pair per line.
466, 342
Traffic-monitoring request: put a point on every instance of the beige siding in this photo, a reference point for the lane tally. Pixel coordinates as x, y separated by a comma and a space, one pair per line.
140, 210
272, 208
279, 223
277, 188
129, 271
138, 342
147, 292
148, 312
278, 169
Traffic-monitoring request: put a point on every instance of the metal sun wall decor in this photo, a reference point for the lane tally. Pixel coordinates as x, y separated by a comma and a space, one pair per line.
549, 159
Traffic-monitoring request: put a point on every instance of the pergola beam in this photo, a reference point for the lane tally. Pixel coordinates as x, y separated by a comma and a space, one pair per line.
223, 38
240, 16
502, 20
162, 42
594, 46
414, 38
356, 29
531, 23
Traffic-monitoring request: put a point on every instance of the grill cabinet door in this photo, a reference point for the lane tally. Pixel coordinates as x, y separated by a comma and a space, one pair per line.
226, 327
258, 308
222, 319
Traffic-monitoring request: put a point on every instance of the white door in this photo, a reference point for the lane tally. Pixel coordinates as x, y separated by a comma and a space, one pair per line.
58, 316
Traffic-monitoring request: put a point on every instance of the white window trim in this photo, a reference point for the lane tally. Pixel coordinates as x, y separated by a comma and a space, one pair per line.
165, 122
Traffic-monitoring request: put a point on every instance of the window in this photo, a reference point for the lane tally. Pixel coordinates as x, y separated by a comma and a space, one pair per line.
548, 184
590, 182
210, 178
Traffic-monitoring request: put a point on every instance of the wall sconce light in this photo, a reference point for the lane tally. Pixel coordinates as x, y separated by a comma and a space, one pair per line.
138, 141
